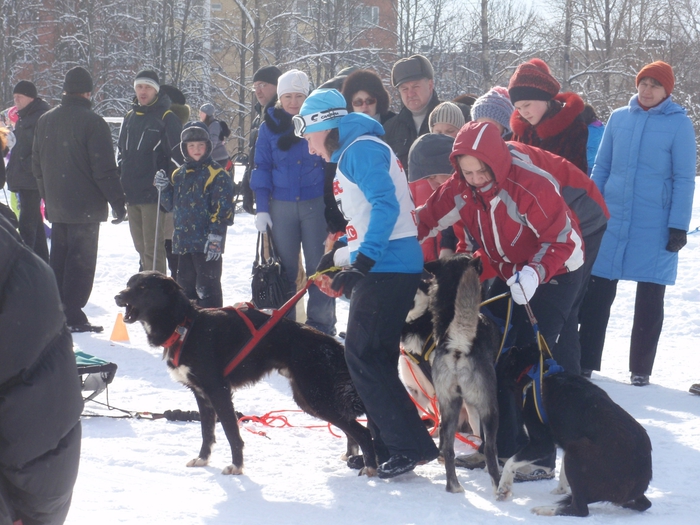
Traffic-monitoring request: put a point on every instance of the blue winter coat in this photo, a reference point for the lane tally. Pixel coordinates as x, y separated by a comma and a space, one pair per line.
595, 135
284, 168
366, 164
645, 169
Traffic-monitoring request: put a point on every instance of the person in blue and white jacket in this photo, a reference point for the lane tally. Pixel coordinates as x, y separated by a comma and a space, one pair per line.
386, 263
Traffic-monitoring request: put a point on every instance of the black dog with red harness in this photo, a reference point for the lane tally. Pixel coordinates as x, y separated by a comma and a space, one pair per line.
201, 343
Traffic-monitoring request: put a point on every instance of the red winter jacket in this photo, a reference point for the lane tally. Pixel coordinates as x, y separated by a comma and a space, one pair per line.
520, 219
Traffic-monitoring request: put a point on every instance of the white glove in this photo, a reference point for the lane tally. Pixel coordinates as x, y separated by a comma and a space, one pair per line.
161, 180
262, 221
341, 257
523, 285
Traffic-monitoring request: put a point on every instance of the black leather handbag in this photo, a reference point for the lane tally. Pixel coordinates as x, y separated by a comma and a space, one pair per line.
269, 282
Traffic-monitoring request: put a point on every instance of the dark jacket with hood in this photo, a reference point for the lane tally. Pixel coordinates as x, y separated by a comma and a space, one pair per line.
40, 400
146, 138
201, 199
19, 169
284, 168
401, 130
518, 219
73, 162
561, 131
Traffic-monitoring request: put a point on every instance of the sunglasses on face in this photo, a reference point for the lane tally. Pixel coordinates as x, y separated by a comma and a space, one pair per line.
358, 102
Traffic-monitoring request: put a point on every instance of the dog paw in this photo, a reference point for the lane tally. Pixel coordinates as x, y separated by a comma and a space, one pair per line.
198, 462
454, 489
503, 494
560, 490
368, 471
544, 511
233, 470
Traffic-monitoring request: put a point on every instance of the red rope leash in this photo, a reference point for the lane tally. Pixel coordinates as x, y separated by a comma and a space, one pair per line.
279, 421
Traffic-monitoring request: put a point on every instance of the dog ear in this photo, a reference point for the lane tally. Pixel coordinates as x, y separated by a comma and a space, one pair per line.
477, 264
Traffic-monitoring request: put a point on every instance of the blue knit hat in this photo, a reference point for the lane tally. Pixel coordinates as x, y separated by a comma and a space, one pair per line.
322, 110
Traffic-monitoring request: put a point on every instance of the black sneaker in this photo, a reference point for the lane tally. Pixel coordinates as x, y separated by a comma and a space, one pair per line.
87, 327
639, 379
398, 464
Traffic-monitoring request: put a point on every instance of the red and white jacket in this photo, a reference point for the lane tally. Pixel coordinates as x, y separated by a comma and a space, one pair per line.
520, 219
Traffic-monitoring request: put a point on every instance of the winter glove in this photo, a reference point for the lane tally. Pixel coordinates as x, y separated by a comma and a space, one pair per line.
676, 239
118, 212
263, 221
332, 258
161, 180
523, 285
213, 247
346, 280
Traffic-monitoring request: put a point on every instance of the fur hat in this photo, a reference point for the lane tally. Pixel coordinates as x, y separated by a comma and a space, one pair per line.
533, 81
292, 81
78, 80
268, 74
446, 113
494, 105
26, 88
430, 155
369, 81
321, 111
175, 95
195, 132
207, 109
148, 77
412, 68
659, 71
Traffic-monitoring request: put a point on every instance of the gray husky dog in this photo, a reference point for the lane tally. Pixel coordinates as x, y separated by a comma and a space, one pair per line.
463, 366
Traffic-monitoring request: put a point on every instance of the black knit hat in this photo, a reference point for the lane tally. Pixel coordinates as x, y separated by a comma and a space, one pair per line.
268, 74
148, 77
533, 81
78, 80
430, 155
26, 88
369, 81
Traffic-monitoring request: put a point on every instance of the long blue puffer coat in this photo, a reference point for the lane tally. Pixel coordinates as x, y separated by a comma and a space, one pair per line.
645, 169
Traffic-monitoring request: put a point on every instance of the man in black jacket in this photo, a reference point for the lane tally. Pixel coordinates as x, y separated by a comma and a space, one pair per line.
39, 388
413, 77
265, 88
149, 132
19, 170
73, 162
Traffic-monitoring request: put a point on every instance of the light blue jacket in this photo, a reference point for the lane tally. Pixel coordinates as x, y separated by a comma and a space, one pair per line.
366, 164
645, 169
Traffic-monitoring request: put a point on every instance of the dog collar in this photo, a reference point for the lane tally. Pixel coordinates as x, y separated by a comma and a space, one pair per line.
176, 341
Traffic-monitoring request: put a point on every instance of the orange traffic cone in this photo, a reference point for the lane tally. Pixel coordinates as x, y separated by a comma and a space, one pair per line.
119, 332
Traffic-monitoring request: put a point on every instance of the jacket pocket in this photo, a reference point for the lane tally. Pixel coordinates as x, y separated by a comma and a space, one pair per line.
149, 140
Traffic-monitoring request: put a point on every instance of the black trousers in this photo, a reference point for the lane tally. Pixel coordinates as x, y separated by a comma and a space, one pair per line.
73, 259
551, 306
201, 279
646, 327
31, 223
378, 309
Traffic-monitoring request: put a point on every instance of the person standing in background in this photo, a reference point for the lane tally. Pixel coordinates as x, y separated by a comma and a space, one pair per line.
19, 169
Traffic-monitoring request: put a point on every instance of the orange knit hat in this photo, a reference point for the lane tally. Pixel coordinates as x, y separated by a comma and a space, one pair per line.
659, 71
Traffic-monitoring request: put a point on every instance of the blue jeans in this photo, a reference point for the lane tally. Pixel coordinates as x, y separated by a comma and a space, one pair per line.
296, 226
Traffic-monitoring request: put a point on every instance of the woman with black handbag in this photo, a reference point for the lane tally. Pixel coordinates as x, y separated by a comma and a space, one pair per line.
288, 185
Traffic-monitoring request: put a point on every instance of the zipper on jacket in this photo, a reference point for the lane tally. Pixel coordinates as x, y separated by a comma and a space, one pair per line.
520, 231
138, 146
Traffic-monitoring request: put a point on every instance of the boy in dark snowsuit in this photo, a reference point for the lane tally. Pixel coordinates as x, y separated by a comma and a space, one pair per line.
200, 195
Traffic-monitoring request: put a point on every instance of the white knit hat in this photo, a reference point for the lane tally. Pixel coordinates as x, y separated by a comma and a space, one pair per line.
293, 81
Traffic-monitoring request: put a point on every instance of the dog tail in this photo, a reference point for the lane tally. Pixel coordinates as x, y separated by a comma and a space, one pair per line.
462, 329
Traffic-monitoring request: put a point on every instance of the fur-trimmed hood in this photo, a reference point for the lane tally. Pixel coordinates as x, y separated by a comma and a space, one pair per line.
280, 123
565, 108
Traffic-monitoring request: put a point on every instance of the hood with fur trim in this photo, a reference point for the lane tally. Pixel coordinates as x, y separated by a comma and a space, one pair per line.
565, 108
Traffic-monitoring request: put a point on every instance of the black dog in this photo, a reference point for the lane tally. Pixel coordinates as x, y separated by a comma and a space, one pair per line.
212, 337
607, 453
463, 368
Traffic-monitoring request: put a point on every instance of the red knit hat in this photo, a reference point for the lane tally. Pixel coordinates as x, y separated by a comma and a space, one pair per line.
533, 81
659, 71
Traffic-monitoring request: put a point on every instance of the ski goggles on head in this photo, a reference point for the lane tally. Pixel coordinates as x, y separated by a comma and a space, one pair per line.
318, 121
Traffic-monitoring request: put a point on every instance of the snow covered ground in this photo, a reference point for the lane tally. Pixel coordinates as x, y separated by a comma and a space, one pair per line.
133, 470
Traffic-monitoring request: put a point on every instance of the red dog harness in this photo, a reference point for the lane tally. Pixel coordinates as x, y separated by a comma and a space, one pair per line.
176, 341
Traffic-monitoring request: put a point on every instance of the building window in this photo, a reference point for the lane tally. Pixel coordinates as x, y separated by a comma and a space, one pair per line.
365, 16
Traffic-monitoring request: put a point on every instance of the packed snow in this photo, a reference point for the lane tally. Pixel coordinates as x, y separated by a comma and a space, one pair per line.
133, 470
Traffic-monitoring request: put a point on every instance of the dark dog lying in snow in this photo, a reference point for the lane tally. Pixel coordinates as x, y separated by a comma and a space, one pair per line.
313, 362
607, 453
